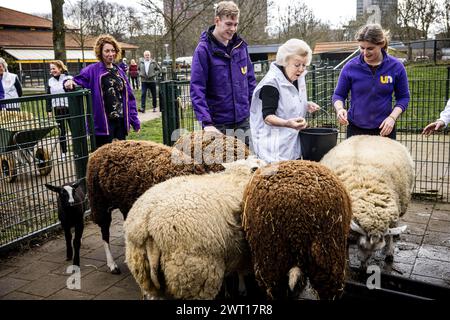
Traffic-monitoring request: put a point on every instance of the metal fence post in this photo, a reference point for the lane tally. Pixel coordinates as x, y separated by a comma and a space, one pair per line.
79, 132
314, 84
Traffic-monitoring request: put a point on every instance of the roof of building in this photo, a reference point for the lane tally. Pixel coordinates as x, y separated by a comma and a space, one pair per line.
264, 48
44, 39
335, 47
9, 17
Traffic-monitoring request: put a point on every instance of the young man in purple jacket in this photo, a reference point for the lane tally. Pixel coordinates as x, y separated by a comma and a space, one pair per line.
113, 103
222, 76
371, 78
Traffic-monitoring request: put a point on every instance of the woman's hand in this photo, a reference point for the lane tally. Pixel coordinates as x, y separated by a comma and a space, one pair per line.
342, 116
296, 123
434, 126
386, 126
313, 107
69, 85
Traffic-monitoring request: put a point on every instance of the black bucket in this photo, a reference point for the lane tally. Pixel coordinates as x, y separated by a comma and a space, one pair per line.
316, 142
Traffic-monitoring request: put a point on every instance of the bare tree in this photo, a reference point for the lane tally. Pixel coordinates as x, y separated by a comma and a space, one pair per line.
59, 32
426, 14
177, 16
79, 14
299, 21
445, 17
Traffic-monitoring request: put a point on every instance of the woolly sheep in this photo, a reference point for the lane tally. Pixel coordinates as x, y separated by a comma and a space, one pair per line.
378, 172
296, 219
184, 235
119, 172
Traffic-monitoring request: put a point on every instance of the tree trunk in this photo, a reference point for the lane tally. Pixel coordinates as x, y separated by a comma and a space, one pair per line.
59, 32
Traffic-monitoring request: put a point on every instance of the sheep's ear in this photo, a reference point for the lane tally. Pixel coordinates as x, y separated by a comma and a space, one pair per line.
355, 227
52, 188
396, 231
76, 184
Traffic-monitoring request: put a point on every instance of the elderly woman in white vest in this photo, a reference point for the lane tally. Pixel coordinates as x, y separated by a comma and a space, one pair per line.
279, 104
59, 107
11, 86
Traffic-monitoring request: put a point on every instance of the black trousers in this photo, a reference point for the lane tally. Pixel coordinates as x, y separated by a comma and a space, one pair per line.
135, 82
62, 118
146, 86
242, 134
117, 131
353, 130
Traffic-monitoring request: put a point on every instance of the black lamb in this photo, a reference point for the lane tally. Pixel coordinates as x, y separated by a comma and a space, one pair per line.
71, 207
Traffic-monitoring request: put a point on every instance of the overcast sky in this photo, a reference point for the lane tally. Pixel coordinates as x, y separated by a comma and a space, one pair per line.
334, 12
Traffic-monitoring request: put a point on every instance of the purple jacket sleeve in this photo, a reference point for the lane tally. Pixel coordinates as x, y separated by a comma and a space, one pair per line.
251, 80
199, 78
83, 78
342, 87
401, 90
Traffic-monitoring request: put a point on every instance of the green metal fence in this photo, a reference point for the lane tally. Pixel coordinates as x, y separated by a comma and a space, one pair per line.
31, 155
429, 88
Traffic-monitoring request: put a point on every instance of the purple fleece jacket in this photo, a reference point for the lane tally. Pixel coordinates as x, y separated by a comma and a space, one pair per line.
90, 78
371, 94
222, 80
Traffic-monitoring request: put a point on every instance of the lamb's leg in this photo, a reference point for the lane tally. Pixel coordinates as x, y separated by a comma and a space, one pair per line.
77, 243
109, 258
68, 236
389, 249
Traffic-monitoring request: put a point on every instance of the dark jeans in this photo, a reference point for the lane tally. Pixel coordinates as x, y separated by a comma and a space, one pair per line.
145, 87
135, 83
62, 118
353, 130
116, 131
244, 130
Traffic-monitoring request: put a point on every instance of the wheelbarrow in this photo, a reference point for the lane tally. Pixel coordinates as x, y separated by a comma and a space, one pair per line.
19, 148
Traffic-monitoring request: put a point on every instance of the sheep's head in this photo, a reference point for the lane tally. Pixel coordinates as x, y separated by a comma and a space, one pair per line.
245, 166
373, 240
66, 193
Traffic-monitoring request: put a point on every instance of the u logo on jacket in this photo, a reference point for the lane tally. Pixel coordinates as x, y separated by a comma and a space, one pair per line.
385, 79
244, 70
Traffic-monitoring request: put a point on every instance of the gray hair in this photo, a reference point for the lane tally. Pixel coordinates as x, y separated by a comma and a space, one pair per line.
291, 48
373, 33
5, 65
226, 9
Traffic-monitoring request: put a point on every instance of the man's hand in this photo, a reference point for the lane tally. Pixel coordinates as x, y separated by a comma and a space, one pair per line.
434, 126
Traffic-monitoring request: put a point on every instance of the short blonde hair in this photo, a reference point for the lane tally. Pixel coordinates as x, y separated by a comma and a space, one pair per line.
226, 9
373, 33
101, 41
291, 48
60, 65
5, 65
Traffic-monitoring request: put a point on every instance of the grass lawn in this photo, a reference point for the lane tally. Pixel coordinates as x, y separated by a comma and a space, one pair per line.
150, 130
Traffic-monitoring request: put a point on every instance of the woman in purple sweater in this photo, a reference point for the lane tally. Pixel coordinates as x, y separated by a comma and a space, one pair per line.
371, 78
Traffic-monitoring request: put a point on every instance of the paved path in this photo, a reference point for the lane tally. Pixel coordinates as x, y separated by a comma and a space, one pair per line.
422, 253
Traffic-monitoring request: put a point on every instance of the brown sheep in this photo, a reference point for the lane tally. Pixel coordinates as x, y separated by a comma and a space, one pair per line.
297, 218
119, 172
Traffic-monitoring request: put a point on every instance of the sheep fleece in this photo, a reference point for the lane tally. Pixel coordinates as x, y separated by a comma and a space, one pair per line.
194, 221
378, 172
297, 213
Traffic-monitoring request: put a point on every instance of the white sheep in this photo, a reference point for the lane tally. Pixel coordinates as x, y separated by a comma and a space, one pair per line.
184, 235
378, 172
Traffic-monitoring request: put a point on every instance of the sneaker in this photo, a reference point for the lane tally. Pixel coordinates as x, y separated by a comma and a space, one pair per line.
63, 157
141, 110
154, 109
